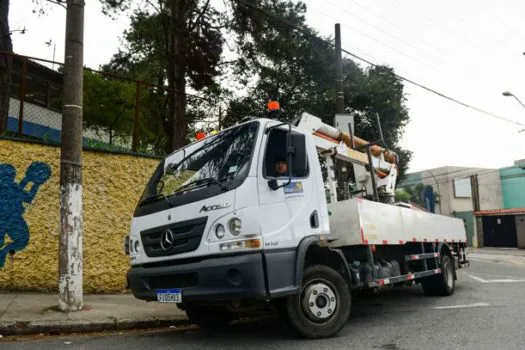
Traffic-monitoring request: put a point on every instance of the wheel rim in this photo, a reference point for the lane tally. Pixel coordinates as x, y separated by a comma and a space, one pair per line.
449, 278
319, 301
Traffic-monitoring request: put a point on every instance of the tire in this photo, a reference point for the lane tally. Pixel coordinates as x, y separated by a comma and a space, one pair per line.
323, 305
209, 318
444, 283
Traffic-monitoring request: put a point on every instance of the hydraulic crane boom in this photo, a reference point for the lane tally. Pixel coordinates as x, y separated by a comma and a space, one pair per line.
334, 143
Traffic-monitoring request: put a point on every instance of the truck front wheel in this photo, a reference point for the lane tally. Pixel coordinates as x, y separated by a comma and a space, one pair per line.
322, 307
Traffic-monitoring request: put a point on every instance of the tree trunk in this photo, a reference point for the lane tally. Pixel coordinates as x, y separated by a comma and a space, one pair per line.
177, 75
6, 63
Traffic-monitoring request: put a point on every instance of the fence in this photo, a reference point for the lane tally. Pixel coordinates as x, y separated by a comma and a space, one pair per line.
119, 113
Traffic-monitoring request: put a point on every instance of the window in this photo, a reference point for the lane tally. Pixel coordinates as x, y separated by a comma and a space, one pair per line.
275, 159
462, 188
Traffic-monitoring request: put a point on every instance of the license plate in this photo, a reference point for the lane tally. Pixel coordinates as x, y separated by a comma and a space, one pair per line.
169, 295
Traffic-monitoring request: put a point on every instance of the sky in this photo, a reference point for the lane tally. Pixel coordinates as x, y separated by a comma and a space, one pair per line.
471, 50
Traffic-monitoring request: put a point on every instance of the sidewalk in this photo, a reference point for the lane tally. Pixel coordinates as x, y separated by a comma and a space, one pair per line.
497, 251
31, 313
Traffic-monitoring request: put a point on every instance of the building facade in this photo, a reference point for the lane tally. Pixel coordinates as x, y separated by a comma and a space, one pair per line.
452, 188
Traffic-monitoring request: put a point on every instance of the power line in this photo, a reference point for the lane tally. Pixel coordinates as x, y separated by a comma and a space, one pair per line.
315, 37
447, 180
413, 59
388, 33
385, 19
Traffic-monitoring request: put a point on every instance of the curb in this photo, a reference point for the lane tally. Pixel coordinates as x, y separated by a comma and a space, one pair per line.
10, 328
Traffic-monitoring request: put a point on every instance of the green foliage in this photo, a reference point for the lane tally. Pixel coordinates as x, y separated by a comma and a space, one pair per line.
170, 44
402, 196
273, 61
108, 105
414, 194
299, 71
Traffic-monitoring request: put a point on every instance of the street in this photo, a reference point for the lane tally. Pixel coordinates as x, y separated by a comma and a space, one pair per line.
485, 312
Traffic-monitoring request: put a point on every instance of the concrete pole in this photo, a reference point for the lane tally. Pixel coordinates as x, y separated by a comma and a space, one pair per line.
339, 86
342, 184
70, 249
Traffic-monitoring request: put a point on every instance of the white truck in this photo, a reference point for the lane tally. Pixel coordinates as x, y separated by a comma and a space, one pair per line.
240, 221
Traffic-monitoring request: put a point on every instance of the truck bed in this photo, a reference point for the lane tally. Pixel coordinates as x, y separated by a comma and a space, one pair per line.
358, 221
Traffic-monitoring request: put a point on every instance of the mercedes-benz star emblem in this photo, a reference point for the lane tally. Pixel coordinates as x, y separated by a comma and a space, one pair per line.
166, 240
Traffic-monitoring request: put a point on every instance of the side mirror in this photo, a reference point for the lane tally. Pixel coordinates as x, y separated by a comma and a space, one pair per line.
273, 184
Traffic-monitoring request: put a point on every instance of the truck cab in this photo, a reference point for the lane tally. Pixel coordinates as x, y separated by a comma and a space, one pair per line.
220, 220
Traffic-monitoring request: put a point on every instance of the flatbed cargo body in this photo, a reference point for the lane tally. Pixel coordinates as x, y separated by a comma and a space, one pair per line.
358, 221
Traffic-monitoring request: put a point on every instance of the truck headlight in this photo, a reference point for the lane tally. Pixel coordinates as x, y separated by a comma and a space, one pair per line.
235, 226
220, 231
137, 246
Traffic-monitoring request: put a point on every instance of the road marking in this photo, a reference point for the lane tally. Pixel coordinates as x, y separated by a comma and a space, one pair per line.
461, 306
505, 280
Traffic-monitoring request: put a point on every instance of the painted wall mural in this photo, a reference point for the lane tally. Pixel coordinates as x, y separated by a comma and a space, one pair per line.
30, 219
14, 196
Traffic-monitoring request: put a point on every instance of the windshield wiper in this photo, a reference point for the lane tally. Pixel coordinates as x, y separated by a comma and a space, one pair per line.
156, 196
201, 182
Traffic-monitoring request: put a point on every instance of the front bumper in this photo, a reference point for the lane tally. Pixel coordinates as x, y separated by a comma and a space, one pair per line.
228, 277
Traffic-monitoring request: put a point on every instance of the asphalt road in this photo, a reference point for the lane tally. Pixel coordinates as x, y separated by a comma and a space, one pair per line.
486, 312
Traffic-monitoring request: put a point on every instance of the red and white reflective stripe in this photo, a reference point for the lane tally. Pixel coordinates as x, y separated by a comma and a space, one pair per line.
437, 271
362, 234
436, 255
365, 241
410, 277
382, 282
385, 241
414, 257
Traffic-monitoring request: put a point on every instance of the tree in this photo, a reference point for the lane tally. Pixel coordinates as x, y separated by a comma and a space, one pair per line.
6, 63
415, 194
108, 105
299, 70
185, 38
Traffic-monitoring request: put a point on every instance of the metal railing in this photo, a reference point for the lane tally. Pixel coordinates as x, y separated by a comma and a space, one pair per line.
119, 112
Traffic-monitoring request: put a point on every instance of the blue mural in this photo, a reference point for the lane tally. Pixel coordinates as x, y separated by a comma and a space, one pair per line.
429, 198
13, 198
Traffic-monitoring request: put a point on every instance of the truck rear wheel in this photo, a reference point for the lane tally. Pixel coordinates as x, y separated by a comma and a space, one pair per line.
442, 284
322, 307
209, 318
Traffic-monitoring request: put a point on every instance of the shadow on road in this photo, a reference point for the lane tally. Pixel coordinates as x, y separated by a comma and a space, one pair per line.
390, 305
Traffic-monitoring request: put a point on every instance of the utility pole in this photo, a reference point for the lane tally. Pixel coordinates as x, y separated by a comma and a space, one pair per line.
70, 249
475, 192
339, 88
477, 238
342, 169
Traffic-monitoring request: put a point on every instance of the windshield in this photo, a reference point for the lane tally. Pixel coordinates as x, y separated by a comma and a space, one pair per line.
222, 162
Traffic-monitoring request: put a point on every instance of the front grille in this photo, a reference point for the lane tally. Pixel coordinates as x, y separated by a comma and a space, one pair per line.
186, 237
183, 280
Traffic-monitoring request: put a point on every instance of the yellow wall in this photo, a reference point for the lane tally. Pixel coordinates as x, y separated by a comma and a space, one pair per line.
112, 184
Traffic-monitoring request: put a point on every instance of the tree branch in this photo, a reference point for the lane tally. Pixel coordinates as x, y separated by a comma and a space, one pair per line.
158, 9
57, 2
199, 17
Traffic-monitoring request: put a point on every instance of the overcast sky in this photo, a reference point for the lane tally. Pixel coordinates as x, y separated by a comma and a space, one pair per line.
471, 50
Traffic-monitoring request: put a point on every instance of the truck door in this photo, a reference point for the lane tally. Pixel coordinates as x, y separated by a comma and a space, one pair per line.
291, 211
